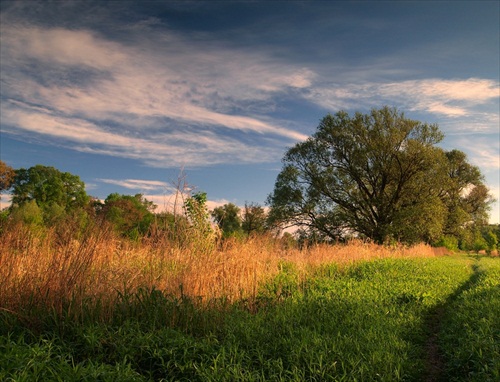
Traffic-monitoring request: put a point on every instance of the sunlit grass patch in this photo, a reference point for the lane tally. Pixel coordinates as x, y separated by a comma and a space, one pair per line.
470, 338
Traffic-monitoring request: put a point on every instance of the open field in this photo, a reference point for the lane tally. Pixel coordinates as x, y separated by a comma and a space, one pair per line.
259, 310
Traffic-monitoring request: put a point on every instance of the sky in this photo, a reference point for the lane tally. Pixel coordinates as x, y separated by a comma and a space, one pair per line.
141, 96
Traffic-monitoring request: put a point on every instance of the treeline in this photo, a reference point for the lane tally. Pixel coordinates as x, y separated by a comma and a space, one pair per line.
44, 197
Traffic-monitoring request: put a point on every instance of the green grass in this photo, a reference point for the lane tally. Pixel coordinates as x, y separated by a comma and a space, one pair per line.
366, 322
470, 338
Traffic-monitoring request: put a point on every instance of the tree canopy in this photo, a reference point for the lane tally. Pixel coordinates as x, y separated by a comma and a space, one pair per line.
48, 187
254, 219
378, 175
130, 215
227, 217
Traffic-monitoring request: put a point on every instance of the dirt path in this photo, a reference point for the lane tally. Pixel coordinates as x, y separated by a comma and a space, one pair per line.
434, 361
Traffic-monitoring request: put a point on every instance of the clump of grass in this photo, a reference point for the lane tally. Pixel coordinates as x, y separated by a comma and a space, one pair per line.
50, 271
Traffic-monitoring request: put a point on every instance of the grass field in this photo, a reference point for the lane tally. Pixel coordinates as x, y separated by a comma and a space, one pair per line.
100, 309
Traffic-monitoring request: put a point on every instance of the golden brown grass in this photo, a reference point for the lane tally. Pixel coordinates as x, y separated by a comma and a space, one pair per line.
50, 267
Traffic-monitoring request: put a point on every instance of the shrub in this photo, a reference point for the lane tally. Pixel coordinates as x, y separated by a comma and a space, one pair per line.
449, 242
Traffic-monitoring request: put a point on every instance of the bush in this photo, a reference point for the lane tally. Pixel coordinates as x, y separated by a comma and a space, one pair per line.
491, 241
449, 242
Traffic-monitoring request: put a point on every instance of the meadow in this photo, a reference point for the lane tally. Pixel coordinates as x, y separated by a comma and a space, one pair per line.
100, 308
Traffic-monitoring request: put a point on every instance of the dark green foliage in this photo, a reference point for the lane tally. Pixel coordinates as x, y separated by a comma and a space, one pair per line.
202, 237
479, 238
49, 360
28, 213
378, 175
197, 212
131, 216
48, 186
254, 219
491, 235
479, 244
46, 197
466, 200
227, 217
449, 242
170, 224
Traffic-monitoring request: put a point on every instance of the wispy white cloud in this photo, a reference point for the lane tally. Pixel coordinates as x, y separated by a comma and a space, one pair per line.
170, 148
148, 88
139, 184
149, 77
483, 151
61, 46
165, 75
449, 98
472, 90
170, 100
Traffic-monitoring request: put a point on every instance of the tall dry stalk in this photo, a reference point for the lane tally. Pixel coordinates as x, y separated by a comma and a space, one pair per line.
51, 268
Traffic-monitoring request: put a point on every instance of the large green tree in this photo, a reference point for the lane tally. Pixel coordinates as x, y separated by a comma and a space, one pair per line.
378, 175
49, 187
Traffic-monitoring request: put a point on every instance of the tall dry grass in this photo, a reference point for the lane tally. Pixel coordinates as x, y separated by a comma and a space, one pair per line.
49, 268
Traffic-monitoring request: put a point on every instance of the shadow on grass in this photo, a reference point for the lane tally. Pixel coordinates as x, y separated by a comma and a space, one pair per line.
434, 361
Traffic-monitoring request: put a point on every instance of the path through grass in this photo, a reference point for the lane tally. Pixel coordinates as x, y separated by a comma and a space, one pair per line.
435, 362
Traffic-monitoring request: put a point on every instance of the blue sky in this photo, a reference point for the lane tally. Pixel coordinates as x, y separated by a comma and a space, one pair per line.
126, 94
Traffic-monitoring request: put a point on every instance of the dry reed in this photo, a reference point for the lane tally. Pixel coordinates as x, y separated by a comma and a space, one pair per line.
50, 268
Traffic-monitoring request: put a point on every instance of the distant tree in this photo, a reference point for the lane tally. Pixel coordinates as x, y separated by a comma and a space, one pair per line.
479, 243
254, 219
7, 175
131, 216
165, 220
227, 217
491, 236
48, 186
170, 223
377, 175
288, 241
492, 242
495, 228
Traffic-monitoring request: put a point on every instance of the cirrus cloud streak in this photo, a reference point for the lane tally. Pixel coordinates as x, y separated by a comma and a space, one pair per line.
101, 92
